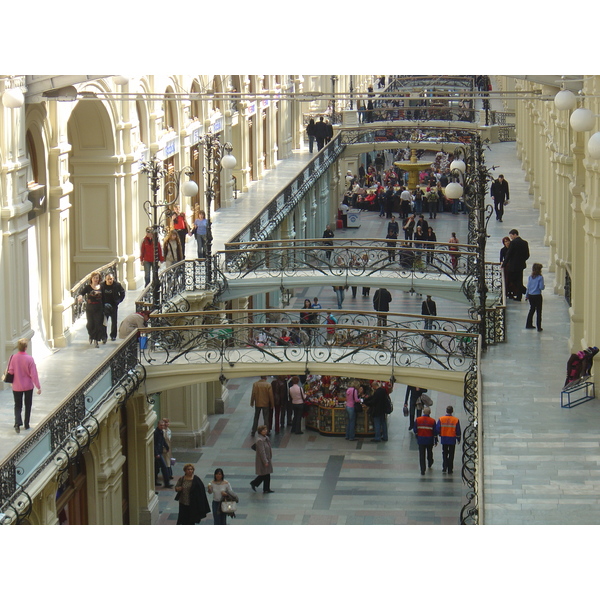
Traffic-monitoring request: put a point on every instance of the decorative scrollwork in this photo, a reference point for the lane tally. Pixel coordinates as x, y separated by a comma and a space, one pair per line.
469, 514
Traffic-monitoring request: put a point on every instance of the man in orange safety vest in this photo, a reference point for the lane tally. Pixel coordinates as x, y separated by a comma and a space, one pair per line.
448, 428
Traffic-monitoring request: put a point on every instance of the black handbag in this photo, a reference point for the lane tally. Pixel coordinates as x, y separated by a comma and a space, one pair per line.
8, 377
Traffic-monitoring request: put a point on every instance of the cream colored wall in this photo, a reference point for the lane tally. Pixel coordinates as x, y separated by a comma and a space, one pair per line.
565, 184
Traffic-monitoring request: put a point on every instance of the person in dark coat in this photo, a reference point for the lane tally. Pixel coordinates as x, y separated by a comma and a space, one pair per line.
500, 194
310, 132
321, 132
328, 235
428, 309
112, 295
381, 303
515, 263
191, 494
412, 395
378, 404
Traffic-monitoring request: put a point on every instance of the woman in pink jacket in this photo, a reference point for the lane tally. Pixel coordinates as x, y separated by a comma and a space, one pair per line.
22, 366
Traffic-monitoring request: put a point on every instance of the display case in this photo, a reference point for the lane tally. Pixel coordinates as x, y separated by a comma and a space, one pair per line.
326, 406
332, 421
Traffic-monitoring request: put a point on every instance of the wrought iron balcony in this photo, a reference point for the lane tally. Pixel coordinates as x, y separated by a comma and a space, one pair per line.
70, 428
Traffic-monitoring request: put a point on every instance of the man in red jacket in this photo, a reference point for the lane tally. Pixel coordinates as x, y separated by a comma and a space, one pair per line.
147, 254
426, 438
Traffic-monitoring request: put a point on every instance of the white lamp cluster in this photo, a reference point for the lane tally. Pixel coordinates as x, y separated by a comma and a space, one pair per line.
454, 190
582, 119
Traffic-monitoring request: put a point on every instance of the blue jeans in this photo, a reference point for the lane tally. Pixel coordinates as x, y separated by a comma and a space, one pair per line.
381, 432
351, 425
311, 143
201, 245
340, 296
218, 517
455, 206
147, 272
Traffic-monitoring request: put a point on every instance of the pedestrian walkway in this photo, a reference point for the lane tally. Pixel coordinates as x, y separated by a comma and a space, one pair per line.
541, 461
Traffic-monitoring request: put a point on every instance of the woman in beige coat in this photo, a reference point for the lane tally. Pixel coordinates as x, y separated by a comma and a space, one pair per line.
263, 463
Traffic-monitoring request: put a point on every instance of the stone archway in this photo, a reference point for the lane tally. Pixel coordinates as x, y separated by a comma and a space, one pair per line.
94, 217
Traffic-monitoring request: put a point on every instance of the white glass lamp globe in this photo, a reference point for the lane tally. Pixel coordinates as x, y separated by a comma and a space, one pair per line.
582, 119
13, 98
594, 145
190, 188
228, 161
454, 190
121, 79
458, 165
565, 100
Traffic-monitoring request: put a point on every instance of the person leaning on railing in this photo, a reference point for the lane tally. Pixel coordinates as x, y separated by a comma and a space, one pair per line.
133, 322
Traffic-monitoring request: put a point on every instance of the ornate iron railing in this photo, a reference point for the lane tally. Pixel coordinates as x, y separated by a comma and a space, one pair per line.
185, 276
68, 430
78, 308
472, 473
361, 338
347, 258
398, 131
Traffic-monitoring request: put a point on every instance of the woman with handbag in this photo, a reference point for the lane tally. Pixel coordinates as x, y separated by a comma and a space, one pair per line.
23, 375
221, 490
193, 504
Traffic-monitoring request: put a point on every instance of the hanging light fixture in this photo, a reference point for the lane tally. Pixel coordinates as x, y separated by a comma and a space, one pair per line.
454, 191
582, 119
594, 145
565, 100
458, 165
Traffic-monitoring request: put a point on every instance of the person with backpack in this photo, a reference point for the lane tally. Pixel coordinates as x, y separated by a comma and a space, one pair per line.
379, 404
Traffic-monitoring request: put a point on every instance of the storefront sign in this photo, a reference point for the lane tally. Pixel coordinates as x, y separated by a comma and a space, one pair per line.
217, 125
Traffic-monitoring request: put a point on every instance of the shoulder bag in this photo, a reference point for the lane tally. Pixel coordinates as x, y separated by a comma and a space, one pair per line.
8, 377
228, 507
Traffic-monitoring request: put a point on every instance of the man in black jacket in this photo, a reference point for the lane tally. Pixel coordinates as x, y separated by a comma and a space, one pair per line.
112, 295
412, 394
428, 309
321, 130
515, 263
381, 303
499, 193
378, 406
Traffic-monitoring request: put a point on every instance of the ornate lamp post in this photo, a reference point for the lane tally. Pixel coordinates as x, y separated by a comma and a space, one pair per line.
213, 150
158, 210
474, 195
